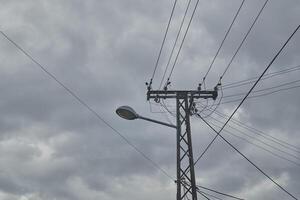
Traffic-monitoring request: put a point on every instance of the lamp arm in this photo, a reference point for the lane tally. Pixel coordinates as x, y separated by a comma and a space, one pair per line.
157, 122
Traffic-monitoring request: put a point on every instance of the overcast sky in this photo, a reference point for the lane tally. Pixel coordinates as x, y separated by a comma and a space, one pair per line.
53, 148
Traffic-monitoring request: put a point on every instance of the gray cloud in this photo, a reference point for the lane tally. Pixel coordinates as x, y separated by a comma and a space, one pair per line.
53, 148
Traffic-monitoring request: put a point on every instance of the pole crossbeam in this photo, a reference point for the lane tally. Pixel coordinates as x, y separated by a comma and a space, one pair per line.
172, 94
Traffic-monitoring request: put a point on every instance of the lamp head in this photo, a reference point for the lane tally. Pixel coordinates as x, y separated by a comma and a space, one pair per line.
127, 112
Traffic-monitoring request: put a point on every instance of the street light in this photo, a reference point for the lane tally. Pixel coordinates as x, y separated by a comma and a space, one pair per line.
128, 113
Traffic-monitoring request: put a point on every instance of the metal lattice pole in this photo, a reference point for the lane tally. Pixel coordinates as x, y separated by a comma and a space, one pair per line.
186, 183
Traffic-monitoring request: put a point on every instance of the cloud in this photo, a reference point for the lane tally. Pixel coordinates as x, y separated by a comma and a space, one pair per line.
52, 147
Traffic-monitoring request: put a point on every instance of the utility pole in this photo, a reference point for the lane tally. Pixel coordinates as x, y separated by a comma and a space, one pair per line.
186, 183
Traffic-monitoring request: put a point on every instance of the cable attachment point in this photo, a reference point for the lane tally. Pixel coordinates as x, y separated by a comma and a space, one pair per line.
167, 84
199, 87
182, 180
194, 110
149, 85
157, 99
218, 85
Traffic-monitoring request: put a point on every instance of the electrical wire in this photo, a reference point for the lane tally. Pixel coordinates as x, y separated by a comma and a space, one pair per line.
186, 185
260, 133
264, 89
254, 144
166, 115
259, 169
258, 146
245, 37
151, 109
211, 190
216, 107
261, 95
221, 193
182, 42
215, 191
84, 104
205, 107
168, 110
254, 138
252, 80
171, 112
163, 42
98, 116
251, 88
221, 45
206, 195
257, 139
261, 147
175, 43
240, 104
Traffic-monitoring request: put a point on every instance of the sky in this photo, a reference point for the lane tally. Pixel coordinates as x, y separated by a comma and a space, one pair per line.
53, 148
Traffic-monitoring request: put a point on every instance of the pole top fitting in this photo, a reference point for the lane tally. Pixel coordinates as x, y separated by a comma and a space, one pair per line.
199, 87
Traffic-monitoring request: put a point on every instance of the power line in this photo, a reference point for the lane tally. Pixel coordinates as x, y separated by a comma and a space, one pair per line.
244, 82
182, 42
217, 53
167, 116
260, 133
212, 190
221, 77
205, 194
260, 95
257, 132
240, 104
245, 37
175, 43
258, 146
167, 109
163, 42
83, 103
266, 175
257, 139
251, 89
264, 89
221, 193
151, 109
171, 112
251, 96
254, 138
249, 92
204, 85
73, 94
218, 104
267, 76
186, 185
